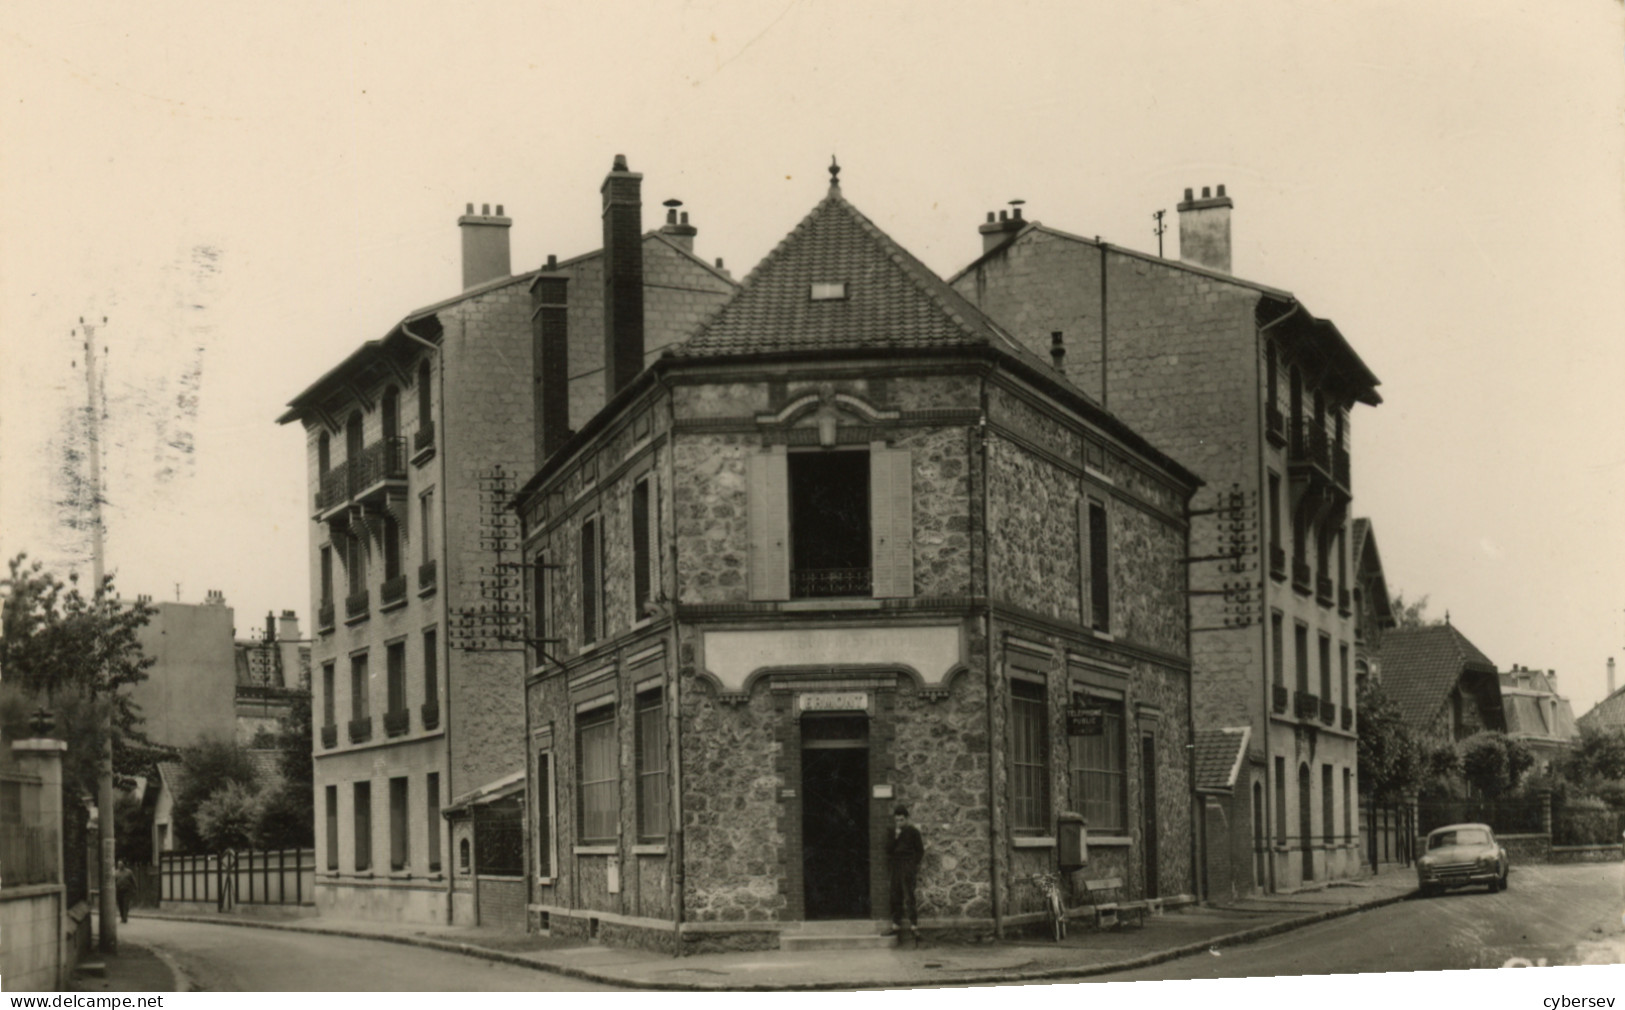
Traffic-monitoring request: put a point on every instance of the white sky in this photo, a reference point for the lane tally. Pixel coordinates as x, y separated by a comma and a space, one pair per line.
1443, 180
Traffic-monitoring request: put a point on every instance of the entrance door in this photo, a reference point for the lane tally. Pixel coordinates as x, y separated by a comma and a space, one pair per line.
835, 816
1148, 810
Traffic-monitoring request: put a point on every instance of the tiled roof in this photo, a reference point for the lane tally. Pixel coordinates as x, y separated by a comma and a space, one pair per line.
892, 299
1607, 713
1421, 665
1361, 528
1218, 757
1534, 715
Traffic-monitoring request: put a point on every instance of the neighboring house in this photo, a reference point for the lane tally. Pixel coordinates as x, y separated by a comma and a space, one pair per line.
1445, 688
1537, 715
412, 444
1608, 713
191, 688
170, 774
272, 672
1240, 382
1221, 757
1373, 608
848, 546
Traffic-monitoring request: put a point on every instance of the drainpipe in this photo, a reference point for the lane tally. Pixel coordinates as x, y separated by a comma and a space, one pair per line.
1103, 320
1264, 627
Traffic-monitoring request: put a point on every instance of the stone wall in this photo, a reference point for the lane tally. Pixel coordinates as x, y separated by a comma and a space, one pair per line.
35, 956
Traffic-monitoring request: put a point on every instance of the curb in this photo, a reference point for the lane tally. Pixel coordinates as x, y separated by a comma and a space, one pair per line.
1036, 975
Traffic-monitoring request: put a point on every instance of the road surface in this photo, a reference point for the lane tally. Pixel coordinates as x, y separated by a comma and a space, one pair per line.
225, 958
1559, 914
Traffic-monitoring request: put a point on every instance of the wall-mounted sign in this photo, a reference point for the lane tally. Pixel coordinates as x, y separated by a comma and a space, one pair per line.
883, 792
1085, 720
834, 701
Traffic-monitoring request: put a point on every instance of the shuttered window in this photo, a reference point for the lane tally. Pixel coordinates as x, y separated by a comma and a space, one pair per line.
591, 583
891, 521
769, 517
642, 549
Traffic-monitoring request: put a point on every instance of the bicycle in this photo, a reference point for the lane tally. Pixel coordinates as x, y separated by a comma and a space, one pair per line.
1054, 904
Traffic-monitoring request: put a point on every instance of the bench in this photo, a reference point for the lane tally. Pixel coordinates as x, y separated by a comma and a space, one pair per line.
1109, 913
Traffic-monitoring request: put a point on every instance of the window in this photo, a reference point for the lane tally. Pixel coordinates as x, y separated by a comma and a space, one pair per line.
463, 849
642, 550
352, 439
1348, 805
829, 524
651, 764
1301, 650
1271, 374
391, 413
1328, 806
544, 814
1029, 765
324, 453
392, 548
358, 687
591, 581
355, 564
1342, 560
363, 827
541, 606
395, 658
431, 788
1277, 649
399, 824
1099, 780
1343, 674
431, 669
1276, 549
1280, 801
327, 576
1099, 614
332, 807
425, 415
329, 705
597, 775
1325, 667
426, 527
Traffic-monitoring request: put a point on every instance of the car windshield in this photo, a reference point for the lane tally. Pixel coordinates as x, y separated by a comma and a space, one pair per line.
1461, 836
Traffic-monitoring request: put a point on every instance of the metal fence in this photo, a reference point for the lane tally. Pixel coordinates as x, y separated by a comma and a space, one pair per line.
240, 877
1516, 816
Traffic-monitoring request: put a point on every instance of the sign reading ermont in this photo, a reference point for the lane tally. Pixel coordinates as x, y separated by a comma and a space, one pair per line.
833, 701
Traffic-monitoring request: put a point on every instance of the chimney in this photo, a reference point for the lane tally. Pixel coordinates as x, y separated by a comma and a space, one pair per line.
270, 626
722, 269
1057, 351
997, 233
288, 627
623, 277
1610, 676
1204, 230
550, 350
485, 245
677, 227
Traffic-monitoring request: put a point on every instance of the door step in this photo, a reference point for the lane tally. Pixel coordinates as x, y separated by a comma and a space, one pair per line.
837, 934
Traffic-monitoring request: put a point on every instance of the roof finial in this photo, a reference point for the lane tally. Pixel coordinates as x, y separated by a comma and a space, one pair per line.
1447, 617
834, 173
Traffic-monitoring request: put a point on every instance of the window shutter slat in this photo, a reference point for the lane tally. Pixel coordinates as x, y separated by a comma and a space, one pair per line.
768, 510
891, 516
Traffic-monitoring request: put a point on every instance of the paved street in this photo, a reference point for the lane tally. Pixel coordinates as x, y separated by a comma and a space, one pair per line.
237, 959
1564, 914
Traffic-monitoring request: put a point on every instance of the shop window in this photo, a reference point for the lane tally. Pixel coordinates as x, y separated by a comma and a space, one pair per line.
1099, 779
597, 775
1029, 758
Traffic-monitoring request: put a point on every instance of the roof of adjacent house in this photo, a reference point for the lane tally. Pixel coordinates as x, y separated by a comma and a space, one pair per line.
1368, 563
1604, 714
1421, 665
1533, 714
1219, 753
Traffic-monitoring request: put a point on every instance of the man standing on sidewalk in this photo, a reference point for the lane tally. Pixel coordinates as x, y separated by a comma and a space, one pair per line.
905, 849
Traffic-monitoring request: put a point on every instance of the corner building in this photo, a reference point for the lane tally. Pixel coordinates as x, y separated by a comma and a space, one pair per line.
848, 546
417, 700
1240, 382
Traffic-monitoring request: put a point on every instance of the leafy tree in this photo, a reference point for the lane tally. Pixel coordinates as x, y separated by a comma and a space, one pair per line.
208, 767
229, 818
288, 817
1598, 753
76, 656
1389, 758
1492, 763
1412, 615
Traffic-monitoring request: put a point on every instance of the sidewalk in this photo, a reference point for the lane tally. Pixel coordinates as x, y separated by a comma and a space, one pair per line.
1082, 954
133, 969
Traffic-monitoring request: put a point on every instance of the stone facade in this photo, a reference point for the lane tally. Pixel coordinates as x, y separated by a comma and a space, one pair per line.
1184, 354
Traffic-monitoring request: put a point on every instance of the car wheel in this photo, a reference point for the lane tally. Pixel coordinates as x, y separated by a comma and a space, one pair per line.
1495, 884
1505, 874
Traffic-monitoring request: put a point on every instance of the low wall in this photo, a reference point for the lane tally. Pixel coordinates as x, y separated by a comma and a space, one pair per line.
1587, 853
35, 950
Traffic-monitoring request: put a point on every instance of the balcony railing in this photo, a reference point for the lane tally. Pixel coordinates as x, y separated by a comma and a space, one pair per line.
396, 723
1309, 445
1343, 603
1328, 712
431, 714
428, 574
392, 591
1280, 696
822, 582
1340, 467
1323, 590
361, 729
355, 605
1302, 579
334, 488
1278, 561
330, 737
1275, 424
424, 437
1348, 717
1306, 706
324, 616
384, 460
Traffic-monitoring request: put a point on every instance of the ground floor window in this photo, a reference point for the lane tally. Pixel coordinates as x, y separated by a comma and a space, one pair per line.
1029, 748
432, 788
544, 814
398, 824
363, 827
1099, 779
651, 764
597, 775
332, 802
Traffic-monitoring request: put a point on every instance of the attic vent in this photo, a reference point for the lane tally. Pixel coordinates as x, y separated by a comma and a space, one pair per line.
829, 292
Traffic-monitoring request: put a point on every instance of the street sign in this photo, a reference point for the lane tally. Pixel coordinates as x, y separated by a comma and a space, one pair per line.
1085, 720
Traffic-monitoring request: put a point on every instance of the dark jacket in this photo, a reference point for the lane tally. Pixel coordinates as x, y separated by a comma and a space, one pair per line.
905, 847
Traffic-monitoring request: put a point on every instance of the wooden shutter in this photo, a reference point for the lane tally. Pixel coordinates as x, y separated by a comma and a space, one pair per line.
768, 509
891, 521
1086, 599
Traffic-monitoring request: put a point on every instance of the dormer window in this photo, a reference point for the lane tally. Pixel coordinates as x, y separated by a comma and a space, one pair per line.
829, 291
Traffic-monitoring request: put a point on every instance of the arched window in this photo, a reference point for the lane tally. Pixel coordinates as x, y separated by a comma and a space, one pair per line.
352, 437
392, 413
462, 855
324, 453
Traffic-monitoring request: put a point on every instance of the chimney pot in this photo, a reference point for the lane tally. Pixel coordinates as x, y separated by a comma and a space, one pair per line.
719, 262
1057, 351
499, 210
989, 217
1016, 214
470, 209
1206, 192
485, 209
684, 217
1188, 195
620, 163
671, 216
1004, 215
1221, 190
552, 262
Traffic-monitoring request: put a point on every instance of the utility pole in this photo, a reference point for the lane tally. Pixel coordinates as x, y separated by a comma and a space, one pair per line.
1159, 229
108, 907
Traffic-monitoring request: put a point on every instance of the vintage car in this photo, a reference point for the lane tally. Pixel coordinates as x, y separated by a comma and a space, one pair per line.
1460, 855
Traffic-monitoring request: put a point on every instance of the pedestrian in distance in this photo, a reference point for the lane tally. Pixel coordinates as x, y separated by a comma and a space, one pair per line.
904, 849
124, 887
